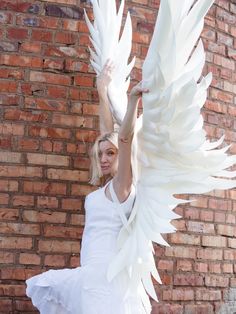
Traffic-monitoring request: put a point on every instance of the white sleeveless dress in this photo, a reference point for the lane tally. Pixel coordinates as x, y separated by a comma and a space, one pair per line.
85, 289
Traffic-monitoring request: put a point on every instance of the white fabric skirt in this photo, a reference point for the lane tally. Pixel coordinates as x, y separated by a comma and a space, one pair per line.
81, 290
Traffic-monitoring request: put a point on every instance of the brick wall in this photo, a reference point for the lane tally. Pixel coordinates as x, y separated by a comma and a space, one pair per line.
47, 124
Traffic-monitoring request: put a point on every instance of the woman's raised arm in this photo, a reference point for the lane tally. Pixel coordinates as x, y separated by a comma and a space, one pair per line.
123, 179
103, 81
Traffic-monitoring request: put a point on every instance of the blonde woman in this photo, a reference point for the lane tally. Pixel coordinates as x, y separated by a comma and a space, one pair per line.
85, 289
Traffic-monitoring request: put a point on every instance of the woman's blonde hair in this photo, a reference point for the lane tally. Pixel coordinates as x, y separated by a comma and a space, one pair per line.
95, 167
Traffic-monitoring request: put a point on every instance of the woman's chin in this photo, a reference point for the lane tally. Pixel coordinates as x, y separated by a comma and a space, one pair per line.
106, 172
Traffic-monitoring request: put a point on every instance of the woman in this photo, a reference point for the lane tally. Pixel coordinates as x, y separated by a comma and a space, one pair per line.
85, 290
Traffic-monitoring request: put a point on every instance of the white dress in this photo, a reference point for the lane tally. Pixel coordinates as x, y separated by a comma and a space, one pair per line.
85, 289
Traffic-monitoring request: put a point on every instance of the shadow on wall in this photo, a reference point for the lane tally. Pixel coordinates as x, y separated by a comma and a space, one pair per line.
230, 303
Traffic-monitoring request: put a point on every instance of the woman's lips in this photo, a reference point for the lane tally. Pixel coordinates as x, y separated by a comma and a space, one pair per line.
104, 167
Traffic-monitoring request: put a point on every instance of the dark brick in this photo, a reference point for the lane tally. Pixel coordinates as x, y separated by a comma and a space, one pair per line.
7, 46
34, 8
30, 21
64, 12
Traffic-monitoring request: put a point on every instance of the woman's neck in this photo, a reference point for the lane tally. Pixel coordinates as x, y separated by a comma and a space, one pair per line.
105, 179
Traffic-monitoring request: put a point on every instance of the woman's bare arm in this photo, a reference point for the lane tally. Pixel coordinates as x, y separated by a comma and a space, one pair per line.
123, 179
103, 81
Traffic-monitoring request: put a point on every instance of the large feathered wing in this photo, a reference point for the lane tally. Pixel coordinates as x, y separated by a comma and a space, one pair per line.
109, 42
174, 155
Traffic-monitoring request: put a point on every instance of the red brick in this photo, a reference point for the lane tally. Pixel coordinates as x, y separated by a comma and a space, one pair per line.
56, 133
200, 227
29, 259
24, 305
71, 204
72, 175
56, 92
41, 35
54, 260
215, 268
14, 114
11, 129
23, 200
19, 228
45, 216
21, 61
8, 185
211, 254
72, 121
17, 33
207, 294
86, 81
81, 163
188, 280
228, 268
57, 246
50, 78
6, 258
232, 243
225, 16
181, 238
47, 202
5, 305
215, 241
81, 190
46, 159
179, 295
201, 267
226, 230
15, 243
28, 144
30, 46
184, 265
180, 251
65, 38
9, 100
77, 219
199, 309
216, 281
76, 66
86, 135
47, 188
62, 232
220, 204
45, 104
53, 64
8, 86
9, 290
52, 146
11, 73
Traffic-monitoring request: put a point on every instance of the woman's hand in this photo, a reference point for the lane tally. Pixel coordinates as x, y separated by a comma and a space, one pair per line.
105, 77
137, 91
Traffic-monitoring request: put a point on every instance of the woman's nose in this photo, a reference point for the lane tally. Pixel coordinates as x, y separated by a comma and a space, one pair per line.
103, 158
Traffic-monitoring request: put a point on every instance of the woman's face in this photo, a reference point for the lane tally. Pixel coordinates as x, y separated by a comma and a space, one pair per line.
108, 156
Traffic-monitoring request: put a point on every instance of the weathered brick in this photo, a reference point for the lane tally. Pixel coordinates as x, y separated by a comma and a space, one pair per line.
21, 61
57, 246
71, 175
47, 188
9, 46
36, 76
216, 241
64, 12
56, 133
45, 216
55, 260
15, 243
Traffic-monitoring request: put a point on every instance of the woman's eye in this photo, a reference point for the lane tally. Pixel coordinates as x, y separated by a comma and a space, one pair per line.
111, 153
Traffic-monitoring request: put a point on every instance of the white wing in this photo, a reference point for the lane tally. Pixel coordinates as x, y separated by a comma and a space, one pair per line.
109, 43
174, 155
